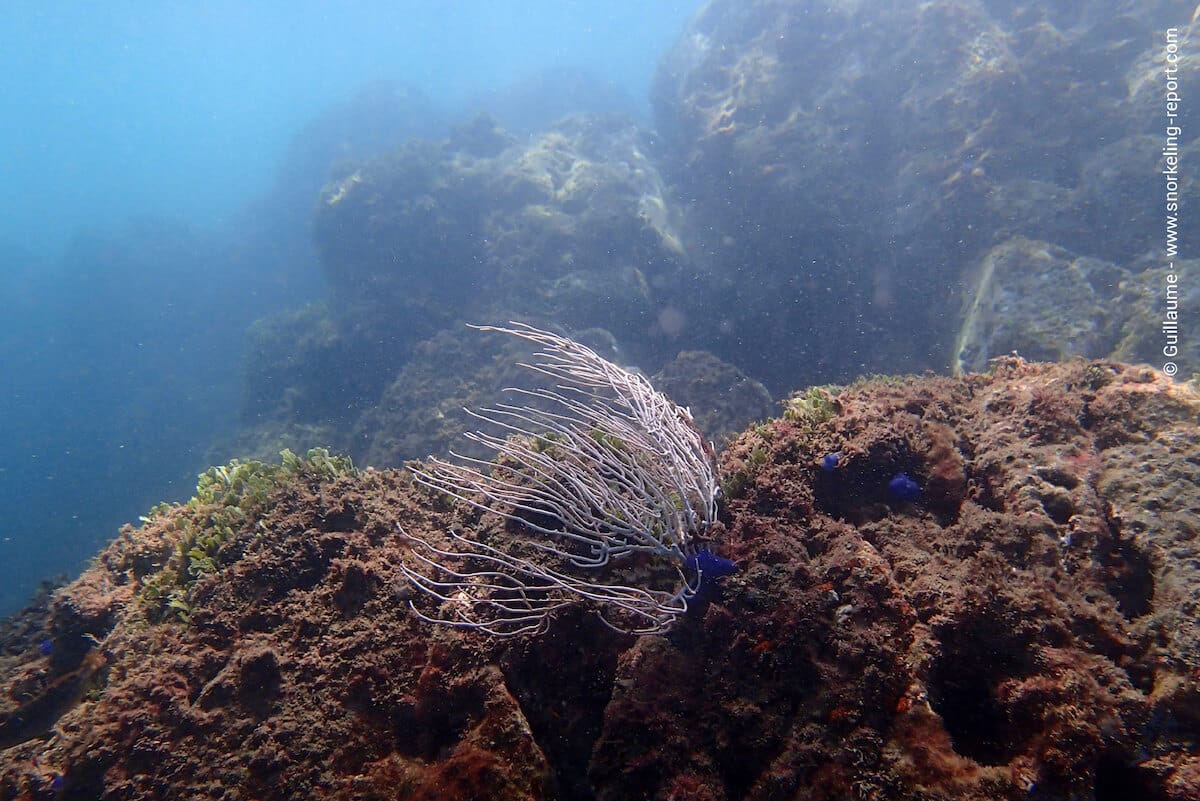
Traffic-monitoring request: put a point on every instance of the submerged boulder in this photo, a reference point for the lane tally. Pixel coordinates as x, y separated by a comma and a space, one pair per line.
1045, 302
572, 223
1021, 622
1041, 301
843, 166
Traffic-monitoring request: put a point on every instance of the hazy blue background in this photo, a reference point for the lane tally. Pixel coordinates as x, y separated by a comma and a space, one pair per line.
140, 147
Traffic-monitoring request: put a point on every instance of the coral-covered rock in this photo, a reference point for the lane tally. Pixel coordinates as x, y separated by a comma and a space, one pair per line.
1019, 622
1033, 643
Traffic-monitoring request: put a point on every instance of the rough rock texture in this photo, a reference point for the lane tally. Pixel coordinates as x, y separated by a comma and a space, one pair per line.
424, 410
831, 190
1020, 303
723, 400
842, 165
1023, 628
300, 392
481, 227
570, 227
1044, 302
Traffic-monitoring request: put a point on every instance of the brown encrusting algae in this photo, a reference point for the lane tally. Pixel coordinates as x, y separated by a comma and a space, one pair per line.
947, 588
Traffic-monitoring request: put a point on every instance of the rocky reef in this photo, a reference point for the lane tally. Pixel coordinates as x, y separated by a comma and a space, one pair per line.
970, 587
570, 223
948, 588
827, 191
849, 169
1047, 303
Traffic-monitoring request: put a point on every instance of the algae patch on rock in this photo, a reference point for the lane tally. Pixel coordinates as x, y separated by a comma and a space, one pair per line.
1023, 621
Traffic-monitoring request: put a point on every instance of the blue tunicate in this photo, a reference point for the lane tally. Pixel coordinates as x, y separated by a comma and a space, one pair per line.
710, 565
830, 462
903, 488
46, 647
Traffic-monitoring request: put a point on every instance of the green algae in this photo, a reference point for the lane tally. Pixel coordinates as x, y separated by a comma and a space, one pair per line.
228, 498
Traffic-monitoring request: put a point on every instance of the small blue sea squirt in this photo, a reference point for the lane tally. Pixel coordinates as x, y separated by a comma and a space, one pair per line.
710, 566
903, 488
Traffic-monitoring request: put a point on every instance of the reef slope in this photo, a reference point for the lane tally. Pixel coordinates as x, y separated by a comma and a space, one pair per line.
1015, 621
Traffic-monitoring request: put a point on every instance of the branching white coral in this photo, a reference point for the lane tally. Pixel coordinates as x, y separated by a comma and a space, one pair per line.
609, 484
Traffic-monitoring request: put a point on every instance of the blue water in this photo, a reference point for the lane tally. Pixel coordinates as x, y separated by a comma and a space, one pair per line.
156, 188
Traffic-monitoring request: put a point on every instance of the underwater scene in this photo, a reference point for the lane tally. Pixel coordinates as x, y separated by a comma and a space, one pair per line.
600, 400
